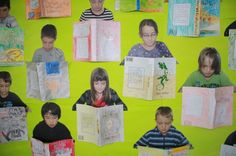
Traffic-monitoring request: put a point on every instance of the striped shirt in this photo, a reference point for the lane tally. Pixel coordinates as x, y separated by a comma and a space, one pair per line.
153, 138
88, 14
9, 22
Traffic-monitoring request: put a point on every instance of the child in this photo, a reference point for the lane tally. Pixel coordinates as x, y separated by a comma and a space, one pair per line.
6, 20
48, 53
7, 98
97, 11
209, 72
150, 48
100, 94
231, 139
50, 130
164, 135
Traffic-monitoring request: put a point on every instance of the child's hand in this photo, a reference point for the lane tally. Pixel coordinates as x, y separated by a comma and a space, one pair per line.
27, 109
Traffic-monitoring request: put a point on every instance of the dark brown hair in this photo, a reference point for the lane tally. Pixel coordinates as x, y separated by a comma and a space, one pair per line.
49, 30
100, 74
214, 55
6, 76
148, 22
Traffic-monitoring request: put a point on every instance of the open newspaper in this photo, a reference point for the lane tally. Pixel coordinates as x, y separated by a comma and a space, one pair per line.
194, 17
96, 40
57, 148
36, 9
13, 125
149, 78
149, 151
227, 150
100, 125
232, 49
47, 80
207, 107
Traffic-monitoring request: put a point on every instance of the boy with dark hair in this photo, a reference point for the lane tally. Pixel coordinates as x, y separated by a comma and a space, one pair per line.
97, 11
50, 130
7, 98
6, 20
48, 53
164, 135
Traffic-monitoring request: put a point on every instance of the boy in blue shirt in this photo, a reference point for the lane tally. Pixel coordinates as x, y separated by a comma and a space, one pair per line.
164, 135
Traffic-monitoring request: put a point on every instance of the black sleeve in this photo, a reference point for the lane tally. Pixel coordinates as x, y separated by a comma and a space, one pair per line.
117, 99
231, 139
17, 101
81, 100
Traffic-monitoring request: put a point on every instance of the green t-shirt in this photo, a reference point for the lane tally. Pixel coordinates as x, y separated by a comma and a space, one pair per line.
196, 79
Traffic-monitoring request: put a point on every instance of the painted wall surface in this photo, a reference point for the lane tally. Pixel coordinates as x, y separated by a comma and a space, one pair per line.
140, 117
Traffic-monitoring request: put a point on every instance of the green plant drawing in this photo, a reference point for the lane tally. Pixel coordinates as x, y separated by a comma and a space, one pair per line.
163, 78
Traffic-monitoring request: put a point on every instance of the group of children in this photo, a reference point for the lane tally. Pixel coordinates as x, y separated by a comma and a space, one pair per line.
164, 135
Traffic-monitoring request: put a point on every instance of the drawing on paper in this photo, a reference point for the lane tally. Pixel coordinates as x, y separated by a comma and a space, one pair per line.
232, 49
11, 46
149, 78
57, 148
207, 107
13, 124
96, 40
36, 9
47, 81
100, 126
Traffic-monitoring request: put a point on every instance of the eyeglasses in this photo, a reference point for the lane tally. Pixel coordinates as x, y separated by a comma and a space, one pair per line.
149, 35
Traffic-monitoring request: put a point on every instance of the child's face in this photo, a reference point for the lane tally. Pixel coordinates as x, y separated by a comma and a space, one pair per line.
48, 43
206, 68
99, 86
4, 88
149, 36
4, 12
163, 124
96, 5
51, 120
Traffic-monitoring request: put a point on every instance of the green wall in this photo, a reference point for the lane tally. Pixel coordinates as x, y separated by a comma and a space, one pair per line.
140, 117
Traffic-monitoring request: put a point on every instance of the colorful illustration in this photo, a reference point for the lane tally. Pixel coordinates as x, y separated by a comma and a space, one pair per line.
149, 78
57, 148
139, 5
207, 107
232, 49
210, 18
184, 17
36, 9
47, 81
194, 17
148, 151
100, 126
11, 46
96, 40
13, 124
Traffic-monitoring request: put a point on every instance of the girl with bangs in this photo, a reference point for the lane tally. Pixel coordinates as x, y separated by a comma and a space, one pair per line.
100, 94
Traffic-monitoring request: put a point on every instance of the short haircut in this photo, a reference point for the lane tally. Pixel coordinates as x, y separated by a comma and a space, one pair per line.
214, 55
49, 30
4, 3
51, 108
164, 111
6, 76
148, 22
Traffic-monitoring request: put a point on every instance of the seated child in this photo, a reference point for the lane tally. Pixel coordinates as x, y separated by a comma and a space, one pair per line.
50, 130
231, 139
97, 11
150, 48
164, 135
48, 53
209, 72
6, 20
8, 98
100, 94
